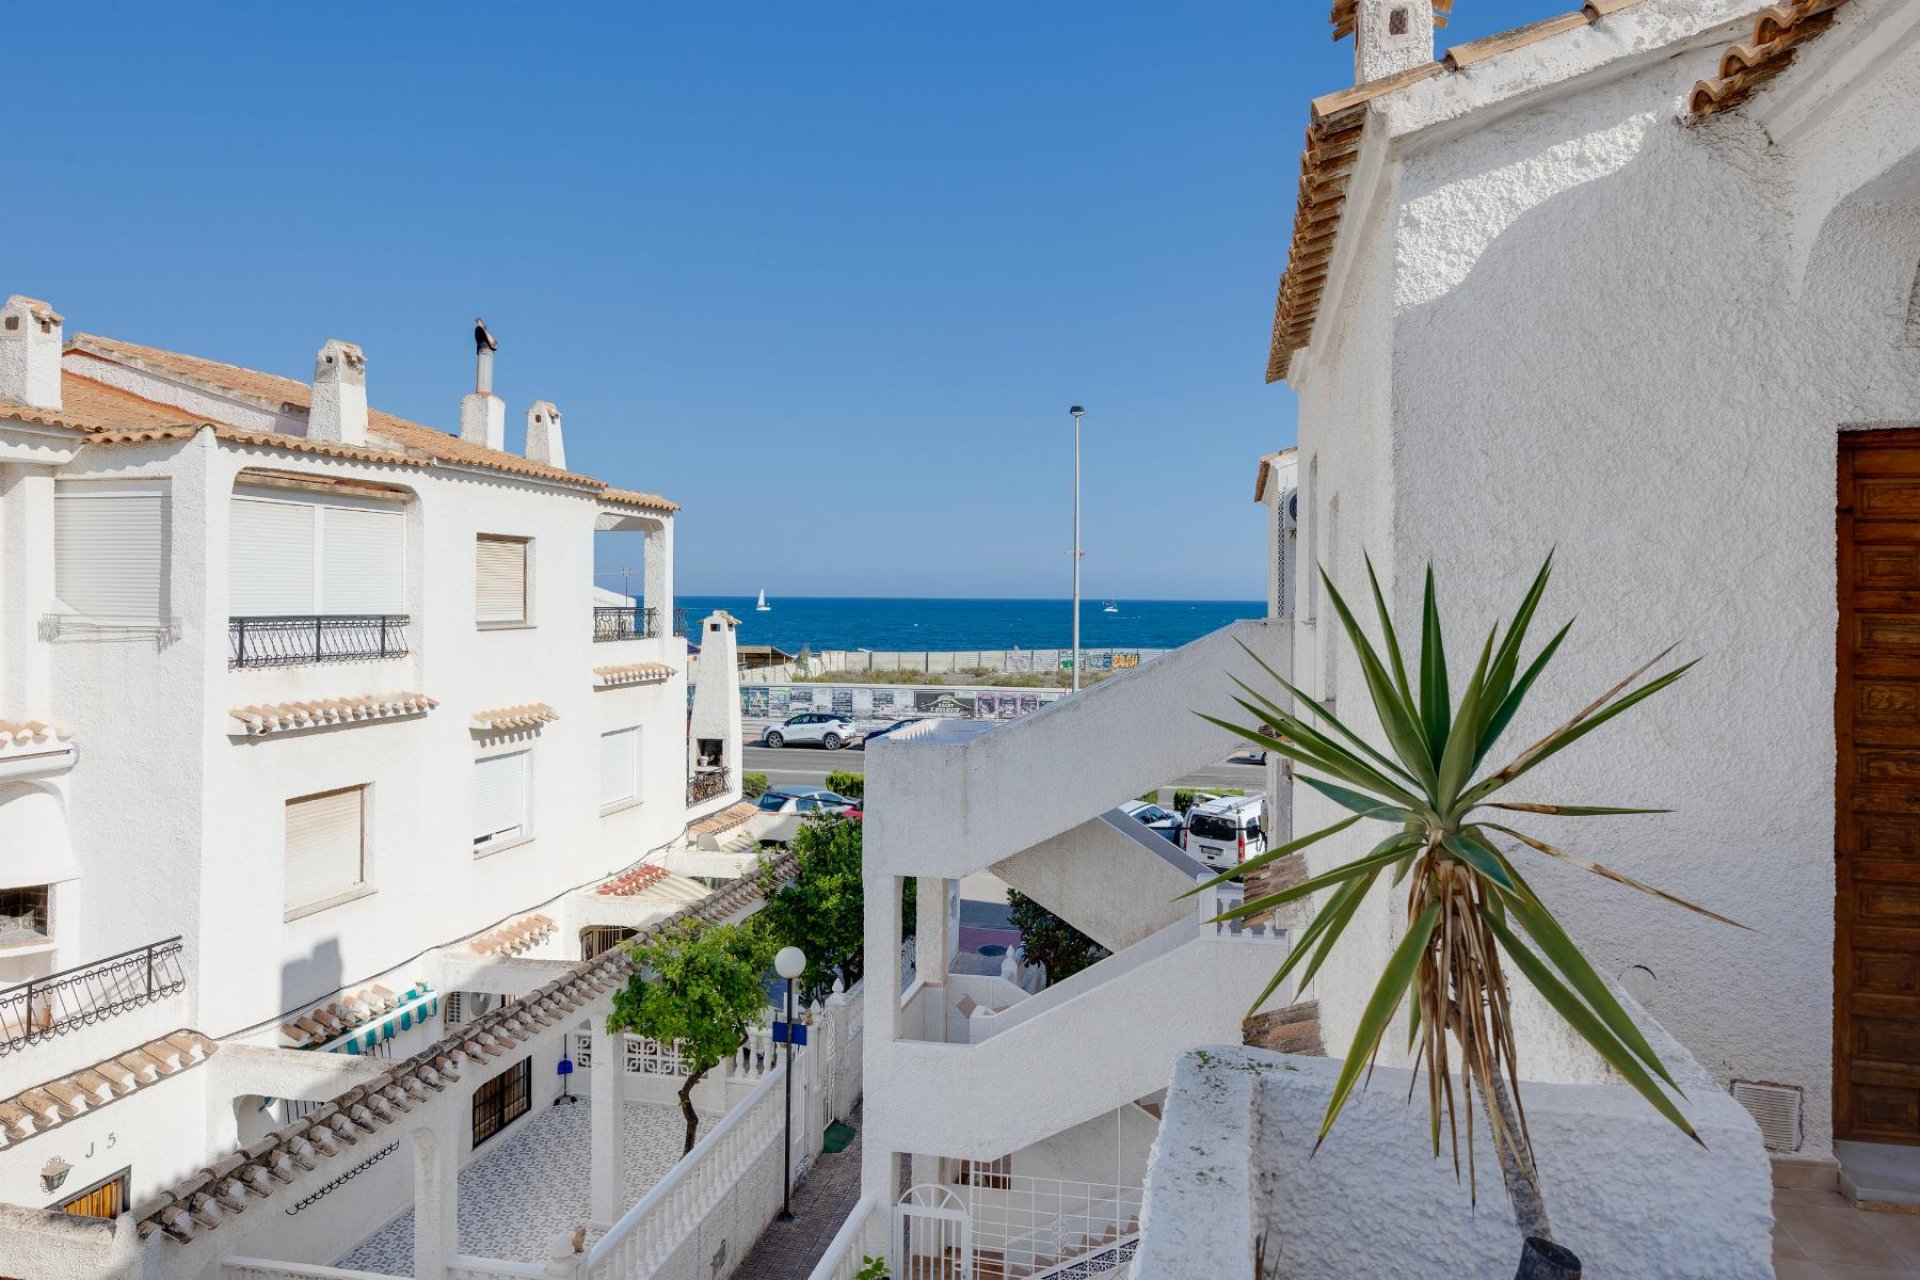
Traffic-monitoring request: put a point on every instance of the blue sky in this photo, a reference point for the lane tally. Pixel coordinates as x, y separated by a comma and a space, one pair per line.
828, 275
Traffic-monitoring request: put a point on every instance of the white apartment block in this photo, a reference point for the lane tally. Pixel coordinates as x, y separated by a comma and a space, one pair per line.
327, 790
1638, 283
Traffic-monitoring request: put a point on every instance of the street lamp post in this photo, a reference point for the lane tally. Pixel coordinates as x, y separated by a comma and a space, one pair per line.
1077, 412
789, 964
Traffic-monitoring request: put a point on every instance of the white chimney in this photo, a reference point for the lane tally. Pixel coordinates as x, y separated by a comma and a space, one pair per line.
483, 420
543, 435
30, 343
339, 408
1390, 36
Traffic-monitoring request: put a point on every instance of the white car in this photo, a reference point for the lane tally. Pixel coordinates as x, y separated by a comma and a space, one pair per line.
1164, 821
1226, 831
829, 730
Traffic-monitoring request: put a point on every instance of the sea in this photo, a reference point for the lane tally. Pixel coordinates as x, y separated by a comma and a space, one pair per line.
854, 623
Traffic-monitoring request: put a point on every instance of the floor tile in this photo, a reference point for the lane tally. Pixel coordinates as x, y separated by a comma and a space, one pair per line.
1837, 1271
1901, 1231
1798, 1269
1784, 1245
1836, 1235
1825, 1197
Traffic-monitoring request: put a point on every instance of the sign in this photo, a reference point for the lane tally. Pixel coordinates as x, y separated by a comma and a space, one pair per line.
780, 1032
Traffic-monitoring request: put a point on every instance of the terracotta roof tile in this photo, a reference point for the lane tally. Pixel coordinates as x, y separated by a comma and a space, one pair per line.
528, 715
1266, 467
51, 1104
638, 880
1347, 12
520, 935
725, 820
631, 673
1778, 32
632, 498
1333, 150
283, 717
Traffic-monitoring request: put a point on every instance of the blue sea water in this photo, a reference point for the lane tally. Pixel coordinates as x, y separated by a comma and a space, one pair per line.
823, 622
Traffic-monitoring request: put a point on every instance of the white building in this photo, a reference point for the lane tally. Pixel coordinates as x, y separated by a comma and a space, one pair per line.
315, 744
1637, 282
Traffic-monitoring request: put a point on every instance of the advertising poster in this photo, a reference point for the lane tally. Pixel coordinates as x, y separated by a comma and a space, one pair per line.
882, 701
800, 699
754, 702
939, 702
1007, 705
1125, 661
843, 701
1029, 702
779, 702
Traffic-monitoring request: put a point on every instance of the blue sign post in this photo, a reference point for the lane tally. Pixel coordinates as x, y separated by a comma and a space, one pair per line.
780, 1032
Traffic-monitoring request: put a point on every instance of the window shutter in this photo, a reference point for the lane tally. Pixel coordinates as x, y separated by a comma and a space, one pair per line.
325, 845
270, 560
619, 766
363, 561
501, 580
499, 798
110, 552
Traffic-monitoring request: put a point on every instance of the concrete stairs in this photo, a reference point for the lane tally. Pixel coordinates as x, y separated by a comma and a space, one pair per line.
991, 1264
1292, 1029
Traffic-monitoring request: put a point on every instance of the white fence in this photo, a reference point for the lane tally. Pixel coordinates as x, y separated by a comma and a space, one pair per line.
863, 1235
1032, 1225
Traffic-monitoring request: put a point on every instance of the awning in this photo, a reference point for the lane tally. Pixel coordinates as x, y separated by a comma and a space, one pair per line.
416, 1005
35, 848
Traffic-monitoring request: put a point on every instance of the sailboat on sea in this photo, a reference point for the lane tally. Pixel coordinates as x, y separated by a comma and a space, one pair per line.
1112, 607
763, 606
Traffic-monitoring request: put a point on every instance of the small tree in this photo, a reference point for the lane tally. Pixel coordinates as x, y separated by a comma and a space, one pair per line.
1051, 941
851, 785
698, 989
823, 910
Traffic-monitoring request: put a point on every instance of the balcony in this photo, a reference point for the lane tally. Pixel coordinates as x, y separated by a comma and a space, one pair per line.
624, 622
42, 1008
298, 640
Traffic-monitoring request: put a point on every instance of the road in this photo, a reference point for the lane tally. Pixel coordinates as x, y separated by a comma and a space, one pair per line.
809, 766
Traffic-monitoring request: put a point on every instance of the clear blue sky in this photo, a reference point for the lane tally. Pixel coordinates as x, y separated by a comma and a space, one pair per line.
829, 275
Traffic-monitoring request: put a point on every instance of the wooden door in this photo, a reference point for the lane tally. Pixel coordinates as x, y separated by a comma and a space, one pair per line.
1877, 790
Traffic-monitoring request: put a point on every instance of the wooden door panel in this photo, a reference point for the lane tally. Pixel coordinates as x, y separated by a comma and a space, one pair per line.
1877, 789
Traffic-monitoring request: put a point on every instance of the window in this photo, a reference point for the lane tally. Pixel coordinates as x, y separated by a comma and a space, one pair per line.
499, 800
104, 1199
502, 1100
619, 767
290, 556
500, 591
110, 543
326, 848
23, 915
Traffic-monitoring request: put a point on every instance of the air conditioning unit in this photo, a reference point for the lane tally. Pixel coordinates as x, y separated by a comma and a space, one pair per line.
1775, 1108
1290, 510
464, 1006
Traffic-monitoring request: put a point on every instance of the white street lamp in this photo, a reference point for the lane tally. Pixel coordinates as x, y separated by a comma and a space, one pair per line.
789, 964
1077, 412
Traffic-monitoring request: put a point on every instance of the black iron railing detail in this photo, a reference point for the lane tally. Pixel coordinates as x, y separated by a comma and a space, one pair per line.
706, 784
625, 622
300, 640
680, 623
42, 1008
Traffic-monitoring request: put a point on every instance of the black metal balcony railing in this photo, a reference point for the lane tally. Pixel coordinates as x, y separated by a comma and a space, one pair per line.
706, 784
625, 622
42, 1008
680, 623
300, 640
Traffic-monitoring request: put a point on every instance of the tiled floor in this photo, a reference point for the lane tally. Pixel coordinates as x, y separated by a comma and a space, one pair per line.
1819, 1235
821, 1201
535, 1185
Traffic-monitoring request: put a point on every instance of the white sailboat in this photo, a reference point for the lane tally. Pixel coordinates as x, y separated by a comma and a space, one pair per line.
763, 606
1112, 607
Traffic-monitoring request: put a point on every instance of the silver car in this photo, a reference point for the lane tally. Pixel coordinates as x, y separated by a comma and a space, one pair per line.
829, 730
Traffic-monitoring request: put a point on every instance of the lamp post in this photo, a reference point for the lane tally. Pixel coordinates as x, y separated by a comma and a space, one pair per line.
789, 964
1077, 413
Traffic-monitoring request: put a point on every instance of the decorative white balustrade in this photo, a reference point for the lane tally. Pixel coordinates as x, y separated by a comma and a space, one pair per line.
650, 1231
463, 1267
265, 1269
861, 1236
1222, 898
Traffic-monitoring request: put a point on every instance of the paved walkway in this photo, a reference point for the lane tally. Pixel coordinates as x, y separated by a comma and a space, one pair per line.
821, 1202
1819, 1235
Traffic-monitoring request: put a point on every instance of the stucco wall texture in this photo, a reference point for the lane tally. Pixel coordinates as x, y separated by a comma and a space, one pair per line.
1580, 324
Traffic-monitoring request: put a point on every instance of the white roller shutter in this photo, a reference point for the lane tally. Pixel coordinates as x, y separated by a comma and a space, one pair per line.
110, 551
326, 852
363, 561
270, 558
619, 766
499, 799
500, 579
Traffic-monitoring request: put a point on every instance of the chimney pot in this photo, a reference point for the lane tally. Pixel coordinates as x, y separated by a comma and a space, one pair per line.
30, 344
544, 443
1391, 36
338, 409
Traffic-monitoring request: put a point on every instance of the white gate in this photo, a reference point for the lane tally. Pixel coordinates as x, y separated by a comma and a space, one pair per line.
932, 1235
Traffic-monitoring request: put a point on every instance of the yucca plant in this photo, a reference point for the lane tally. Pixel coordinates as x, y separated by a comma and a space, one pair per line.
1470, 911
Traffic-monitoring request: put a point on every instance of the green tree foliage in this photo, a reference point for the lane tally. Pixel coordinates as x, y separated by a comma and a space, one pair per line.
1051, 941
823, 910
851, 785
699, 987
753, 785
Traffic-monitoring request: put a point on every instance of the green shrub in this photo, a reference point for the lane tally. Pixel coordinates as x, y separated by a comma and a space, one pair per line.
851, 785
753, 785
1184, 797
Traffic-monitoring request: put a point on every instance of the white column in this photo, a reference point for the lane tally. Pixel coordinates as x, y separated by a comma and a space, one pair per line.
608, 1122
932, 913
436, 1188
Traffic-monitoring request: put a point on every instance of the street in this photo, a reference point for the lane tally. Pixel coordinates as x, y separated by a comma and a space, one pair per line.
809, 766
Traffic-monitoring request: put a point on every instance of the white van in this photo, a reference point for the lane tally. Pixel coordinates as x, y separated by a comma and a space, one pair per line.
1225, 832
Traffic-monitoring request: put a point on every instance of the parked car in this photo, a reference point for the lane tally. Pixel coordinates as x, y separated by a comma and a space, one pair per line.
1226, 831
1165, 821
785, 808
829, 730
884, 731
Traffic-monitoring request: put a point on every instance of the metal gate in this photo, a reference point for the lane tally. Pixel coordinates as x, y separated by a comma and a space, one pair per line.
932, 1235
